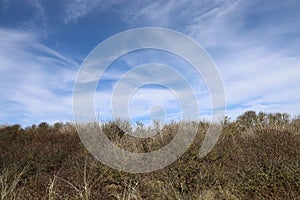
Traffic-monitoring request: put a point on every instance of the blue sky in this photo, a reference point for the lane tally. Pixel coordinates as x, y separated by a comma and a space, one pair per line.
255, 45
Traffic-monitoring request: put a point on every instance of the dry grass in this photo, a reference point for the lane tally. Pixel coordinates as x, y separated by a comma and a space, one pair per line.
256, 157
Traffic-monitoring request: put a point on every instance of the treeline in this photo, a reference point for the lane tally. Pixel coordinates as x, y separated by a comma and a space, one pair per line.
247, 120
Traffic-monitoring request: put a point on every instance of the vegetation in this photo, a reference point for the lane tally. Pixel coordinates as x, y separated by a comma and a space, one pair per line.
256, 157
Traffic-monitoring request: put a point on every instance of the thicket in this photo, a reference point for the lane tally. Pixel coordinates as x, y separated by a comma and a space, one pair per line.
256, 157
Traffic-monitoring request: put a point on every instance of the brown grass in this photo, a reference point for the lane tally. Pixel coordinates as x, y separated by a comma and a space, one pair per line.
256, 157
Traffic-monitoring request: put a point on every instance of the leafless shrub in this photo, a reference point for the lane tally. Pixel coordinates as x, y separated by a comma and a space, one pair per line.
256, 157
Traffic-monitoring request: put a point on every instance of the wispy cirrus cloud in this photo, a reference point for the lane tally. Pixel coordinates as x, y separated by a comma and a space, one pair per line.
74, 10
36, 82
249, 41
255, 45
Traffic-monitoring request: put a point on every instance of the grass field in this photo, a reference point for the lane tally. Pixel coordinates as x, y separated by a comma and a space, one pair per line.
256, 157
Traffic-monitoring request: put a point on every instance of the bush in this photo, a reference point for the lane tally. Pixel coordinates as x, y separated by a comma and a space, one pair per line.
256, 157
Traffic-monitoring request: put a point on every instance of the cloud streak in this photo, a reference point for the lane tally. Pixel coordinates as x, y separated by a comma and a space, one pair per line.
257, 59
254, 44
36, 82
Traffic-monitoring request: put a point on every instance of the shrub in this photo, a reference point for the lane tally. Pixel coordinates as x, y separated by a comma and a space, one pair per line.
256, 157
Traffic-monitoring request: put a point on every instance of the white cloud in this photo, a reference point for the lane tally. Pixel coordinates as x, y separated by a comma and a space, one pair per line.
135, 94
77, 9
40, 11
253, 45
36, 82
138, 105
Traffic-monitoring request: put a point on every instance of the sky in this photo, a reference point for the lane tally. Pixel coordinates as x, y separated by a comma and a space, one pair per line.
255, 46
